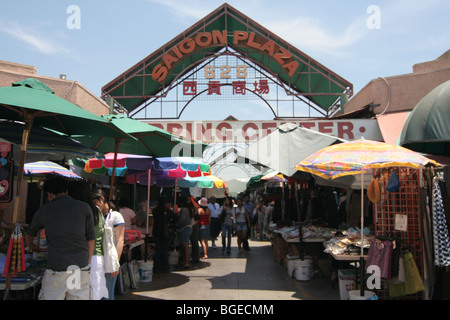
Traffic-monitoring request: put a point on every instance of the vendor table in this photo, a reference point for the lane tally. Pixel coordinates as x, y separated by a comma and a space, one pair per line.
25, 285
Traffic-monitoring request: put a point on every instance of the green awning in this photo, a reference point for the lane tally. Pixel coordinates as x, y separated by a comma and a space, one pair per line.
427, 128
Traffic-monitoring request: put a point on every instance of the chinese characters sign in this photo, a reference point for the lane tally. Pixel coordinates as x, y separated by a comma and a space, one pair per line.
239, 86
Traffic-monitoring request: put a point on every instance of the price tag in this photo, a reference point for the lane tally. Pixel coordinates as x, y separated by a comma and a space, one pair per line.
401, 222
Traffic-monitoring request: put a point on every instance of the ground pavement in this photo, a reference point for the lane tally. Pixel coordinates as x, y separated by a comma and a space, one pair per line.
252, 275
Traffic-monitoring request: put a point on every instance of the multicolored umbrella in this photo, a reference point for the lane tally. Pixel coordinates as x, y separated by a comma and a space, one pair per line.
146, 140
356, 157
124, 164
36, 170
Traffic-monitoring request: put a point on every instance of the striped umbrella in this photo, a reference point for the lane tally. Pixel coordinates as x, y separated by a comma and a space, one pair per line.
35, 170
356, 157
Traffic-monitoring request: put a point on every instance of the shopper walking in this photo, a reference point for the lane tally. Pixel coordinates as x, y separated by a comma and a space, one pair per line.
241, 220
226, 218
249, 206
69, 229
184, 230
215, 210
204, 224
114, 220
78, 189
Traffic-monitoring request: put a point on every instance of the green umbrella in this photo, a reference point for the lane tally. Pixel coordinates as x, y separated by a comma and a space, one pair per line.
34, 103
149, 140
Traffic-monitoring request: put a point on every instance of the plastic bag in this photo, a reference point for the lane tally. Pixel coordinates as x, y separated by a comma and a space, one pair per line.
393, 184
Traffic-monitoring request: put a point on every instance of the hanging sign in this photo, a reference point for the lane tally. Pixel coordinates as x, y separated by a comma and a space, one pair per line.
6, 172
250, 131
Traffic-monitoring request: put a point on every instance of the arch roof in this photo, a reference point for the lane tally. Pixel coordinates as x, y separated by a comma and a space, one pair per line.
227, 30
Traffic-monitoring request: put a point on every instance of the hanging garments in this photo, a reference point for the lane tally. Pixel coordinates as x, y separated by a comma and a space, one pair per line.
440, 230
380, 254
413, 281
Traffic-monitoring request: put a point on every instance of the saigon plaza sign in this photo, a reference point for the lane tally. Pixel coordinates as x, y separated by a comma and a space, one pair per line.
202, 40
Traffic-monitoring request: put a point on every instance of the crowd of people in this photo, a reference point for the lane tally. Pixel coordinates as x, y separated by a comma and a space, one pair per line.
76, 220
194, 223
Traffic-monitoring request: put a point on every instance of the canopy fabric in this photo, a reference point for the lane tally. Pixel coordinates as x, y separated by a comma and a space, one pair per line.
43, 144
36, 170
149, 140
32, 97
427, 128
284, 148
356, 157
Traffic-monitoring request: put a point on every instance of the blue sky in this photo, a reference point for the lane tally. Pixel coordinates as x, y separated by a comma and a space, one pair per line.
114, 35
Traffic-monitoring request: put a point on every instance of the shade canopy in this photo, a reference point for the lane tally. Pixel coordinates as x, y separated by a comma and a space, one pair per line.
149, 140
38, 169
30, 98
358, 156
43, 144
427, 129
284, 148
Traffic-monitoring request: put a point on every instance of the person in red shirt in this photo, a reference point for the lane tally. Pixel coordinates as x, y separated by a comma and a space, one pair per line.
204, 223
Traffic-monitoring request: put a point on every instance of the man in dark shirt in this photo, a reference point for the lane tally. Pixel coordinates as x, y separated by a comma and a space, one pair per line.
69, 229
161, 233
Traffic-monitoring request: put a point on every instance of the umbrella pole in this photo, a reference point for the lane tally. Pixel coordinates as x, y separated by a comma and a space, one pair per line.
23, 150
361, 259
148, 209
111, 187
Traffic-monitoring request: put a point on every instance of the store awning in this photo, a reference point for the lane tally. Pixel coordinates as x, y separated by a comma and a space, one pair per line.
391, 125
427, 129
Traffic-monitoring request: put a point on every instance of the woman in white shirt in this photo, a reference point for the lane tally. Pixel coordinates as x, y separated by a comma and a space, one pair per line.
115, 220
240, 218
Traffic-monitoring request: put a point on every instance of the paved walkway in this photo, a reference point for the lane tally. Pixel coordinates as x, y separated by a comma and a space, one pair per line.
252, 275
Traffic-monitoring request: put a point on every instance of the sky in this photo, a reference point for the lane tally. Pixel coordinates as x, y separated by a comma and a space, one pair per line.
93, 42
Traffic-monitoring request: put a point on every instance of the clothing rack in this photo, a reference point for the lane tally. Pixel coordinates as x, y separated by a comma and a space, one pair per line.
405, 202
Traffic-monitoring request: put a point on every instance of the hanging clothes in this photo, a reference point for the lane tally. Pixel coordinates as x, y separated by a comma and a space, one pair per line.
440, 230
427, 231
413, 282
380, 254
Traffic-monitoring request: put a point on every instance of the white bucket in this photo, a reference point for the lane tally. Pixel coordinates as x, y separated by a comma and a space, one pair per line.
145, 270
292, 262
356, 295
303, 270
